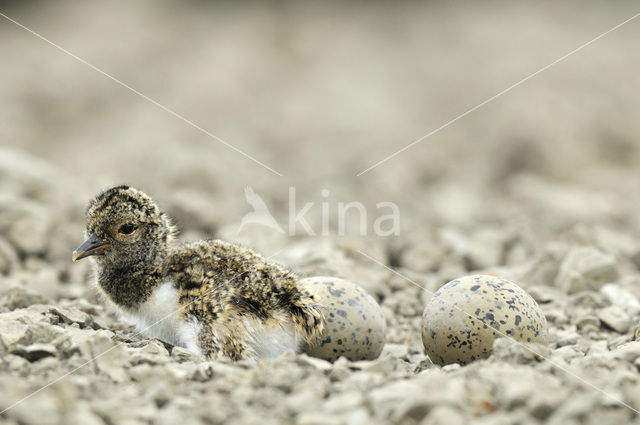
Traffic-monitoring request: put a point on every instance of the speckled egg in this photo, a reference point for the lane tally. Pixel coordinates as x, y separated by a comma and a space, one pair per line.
463, 318
354, 323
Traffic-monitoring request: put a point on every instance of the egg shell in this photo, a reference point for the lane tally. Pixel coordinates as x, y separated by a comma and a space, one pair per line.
463, 318
354, 323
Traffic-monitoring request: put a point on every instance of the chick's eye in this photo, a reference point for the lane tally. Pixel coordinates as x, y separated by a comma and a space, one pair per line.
126, 229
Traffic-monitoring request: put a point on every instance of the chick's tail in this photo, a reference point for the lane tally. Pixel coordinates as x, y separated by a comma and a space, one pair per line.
307, 316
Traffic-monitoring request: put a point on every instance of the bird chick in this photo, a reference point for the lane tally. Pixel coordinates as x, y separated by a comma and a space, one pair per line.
211, 297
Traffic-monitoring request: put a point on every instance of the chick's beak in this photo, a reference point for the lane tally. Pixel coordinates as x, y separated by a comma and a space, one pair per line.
92, 246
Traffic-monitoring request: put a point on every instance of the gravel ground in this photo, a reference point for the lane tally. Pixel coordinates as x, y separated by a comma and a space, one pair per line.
538, 187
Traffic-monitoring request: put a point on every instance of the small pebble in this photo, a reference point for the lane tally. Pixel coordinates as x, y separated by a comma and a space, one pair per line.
615, 318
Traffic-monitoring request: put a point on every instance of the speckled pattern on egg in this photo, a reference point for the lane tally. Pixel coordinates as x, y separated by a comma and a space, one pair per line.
354, 323
459, 321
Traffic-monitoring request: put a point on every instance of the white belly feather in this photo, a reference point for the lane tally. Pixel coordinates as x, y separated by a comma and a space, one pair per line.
159, 317
267, 341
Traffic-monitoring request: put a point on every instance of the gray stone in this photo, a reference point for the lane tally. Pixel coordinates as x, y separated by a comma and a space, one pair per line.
45, 281
583, 301
444, 415
588, 322
82, 414
348, 400
8, 257
99, 323
359, 416
151, 347
151, 359
421, 257
26, 224
35, 352
363, 381
598, 347
320, 364
486, 248
542, 404
319, 418
575, 407
385, 366
451, 367
586, 268
567, 353
16, 363
150, 352
179, 371
202, 372
183, 355
412, 408
620, 297
85, 306
25, 326
395, 350
510, 393
567, 337
545, 294
387, 399
629, 352
509, 350
615, 318
13, 333
142, 372
14, 296
556, 317
46, 413
71, 315
298, 400
110, 356
340, 370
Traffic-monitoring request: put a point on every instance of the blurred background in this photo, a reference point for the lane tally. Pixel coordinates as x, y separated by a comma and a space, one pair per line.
539, 186
320, 92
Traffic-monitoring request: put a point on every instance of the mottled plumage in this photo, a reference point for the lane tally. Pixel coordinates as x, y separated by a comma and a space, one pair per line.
212, 297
